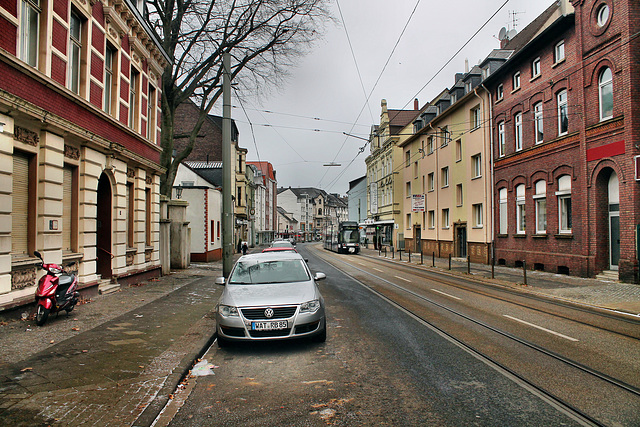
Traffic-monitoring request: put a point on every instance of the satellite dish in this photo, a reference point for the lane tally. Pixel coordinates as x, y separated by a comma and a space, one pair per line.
502, 34
511, 34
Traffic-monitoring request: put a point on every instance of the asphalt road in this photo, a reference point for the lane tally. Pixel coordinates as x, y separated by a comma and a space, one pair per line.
380, 365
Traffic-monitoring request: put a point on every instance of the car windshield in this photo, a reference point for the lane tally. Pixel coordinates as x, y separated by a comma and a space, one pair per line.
281, 244
275, 271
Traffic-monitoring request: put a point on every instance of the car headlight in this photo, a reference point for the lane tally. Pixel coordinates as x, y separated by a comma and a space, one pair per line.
227, 310
310, 306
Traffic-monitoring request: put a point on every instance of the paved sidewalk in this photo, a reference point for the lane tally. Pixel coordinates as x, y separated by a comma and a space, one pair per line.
112, 362
621, 297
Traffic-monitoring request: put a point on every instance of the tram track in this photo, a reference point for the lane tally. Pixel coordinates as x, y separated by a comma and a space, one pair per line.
579, 369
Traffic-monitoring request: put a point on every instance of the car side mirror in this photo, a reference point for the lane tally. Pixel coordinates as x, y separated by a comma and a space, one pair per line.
319, 276
220, 281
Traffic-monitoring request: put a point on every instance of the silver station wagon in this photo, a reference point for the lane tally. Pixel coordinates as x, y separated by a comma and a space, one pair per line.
270, 296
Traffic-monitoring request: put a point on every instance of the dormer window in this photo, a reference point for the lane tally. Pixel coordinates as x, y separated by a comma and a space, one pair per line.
454, 97
467, 87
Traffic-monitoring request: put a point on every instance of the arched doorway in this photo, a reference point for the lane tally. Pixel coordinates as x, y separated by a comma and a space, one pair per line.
613, 194
103, 227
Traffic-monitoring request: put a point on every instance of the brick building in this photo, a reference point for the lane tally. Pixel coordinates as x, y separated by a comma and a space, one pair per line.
565, 133
79, 155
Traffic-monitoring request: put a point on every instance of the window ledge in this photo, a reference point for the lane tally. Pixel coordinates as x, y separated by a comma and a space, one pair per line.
520, 236
476, 177
555, 64
540, 236
502, 236
564, 236
516, 90
478, 227
534, 78
131, 250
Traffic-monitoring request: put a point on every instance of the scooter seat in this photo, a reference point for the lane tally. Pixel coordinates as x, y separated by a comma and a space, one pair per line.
65, 279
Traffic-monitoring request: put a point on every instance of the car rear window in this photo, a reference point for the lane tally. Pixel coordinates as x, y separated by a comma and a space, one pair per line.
262, 272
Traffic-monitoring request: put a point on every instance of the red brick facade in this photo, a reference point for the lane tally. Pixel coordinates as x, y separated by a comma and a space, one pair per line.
595, 148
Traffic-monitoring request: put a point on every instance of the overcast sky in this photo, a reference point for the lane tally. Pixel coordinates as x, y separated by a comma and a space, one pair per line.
326, 84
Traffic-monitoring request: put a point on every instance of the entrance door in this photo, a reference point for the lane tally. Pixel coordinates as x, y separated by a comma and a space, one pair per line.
418, 239
103, 232
614, 221
461, 238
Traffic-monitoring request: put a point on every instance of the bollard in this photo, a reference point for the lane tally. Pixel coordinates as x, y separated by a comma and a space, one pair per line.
393, 253
409, 257
493, 267
421, 257
468, 264
449, 261
400, 254
433, 259
524, 271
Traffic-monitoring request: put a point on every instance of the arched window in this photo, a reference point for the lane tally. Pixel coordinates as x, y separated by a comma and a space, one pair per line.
540, 198
320, 211
502, 200
538, 123
564, 204
605, 94
501, 140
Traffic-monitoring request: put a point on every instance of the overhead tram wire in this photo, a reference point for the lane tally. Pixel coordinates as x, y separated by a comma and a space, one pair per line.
302, 117
366, 103
253, 135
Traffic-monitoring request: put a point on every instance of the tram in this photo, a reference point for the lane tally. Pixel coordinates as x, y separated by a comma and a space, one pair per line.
344, 239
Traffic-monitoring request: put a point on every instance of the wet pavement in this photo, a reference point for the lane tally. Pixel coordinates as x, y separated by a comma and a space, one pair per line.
117, 359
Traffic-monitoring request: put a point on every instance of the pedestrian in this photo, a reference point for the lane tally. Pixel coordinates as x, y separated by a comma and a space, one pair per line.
239, 246
245, 248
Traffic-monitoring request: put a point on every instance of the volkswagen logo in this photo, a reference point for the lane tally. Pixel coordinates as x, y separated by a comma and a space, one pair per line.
268, 313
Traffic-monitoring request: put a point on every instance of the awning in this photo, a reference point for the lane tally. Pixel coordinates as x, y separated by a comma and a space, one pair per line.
383, 222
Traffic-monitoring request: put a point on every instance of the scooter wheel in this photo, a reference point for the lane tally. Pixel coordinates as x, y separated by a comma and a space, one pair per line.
70, 308
42, 314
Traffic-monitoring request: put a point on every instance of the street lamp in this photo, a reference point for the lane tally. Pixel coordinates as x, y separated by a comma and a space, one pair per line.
178, 192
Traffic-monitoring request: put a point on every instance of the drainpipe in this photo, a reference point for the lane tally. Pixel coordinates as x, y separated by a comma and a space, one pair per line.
491, 166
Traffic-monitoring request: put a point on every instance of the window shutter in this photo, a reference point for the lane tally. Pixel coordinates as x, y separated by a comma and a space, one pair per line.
67, 205
20, 200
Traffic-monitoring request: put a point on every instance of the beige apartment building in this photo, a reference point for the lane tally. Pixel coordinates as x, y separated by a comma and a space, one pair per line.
446, 173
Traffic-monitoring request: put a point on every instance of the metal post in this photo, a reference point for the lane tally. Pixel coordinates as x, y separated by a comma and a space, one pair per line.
468, 264
449, 261
227, 170
409, 257
493, 267
524, 271
400, 253
421, 257
433, 259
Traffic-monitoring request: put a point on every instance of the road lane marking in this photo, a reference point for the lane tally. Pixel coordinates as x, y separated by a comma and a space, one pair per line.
377, 269
402, 278
541, 328
446, 294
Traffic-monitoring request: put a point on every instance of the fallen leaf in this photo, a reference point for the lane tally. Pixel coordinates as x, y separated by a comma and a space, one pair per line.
52, 341
75, 329
26, 369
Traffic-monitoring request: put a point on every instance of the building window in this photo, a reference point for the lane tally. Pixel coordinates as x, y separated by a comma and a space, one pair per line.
516, 80
605, 94
476, 164
133, 99
148, 218
499, 92
415, 169
535, 68
563, 113
75, 50
151, 114
109, 67
69, 208
130, 213
520, 210
23, 205
467, 87
538, 123
540, 198
29, 31
502, 202
445, 176
564, 204
430, 181
407, 158
459, 195
239, 196
475, 118
602, 16
501, 140
518, 131
477, 215
432, 219
407, 189
408, 222
430, 145
445, 218
454, 98
458, 150
559, 52
445, 136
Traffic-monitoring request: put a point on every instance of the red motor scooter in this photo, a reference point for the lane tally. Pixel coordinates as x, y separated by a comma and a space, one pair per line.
56, 291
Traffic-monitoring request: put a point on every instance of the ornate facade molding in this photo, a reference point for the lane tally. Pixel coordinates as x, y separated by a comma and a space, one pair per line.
26, 136
71, 152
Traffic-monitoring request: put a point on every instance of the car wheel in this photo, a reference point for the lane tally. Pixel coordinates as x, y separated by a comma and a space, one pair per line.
321, 337
222, 342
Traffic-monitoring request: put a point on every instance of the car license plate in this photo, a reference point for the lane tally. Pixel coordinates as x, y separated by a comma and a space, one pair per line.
269, 326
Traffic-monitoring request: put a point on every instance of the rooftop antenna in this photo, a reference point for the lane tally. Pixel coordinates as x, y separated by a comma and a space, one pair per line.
513, 17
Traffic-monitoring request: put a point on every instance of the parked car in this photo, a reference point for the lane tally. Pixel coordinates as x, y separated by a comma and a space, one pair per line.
279, 249
282, 244
270, 296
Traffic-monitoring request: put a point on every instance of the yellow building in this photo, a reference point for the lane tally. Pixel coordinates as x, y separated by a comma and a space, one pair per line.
446, 174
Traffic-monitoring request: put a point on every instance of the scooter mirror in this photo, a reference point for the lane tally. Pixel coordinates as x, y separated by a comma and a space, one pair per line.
38, 254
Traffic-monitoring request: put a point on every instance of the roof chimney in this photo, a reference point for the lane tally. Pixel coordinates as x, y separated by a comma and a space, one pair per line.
416, 104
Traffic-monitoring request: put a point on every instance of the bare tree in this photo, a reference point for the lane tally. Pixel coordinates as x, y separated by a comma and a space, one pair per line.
263, 37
